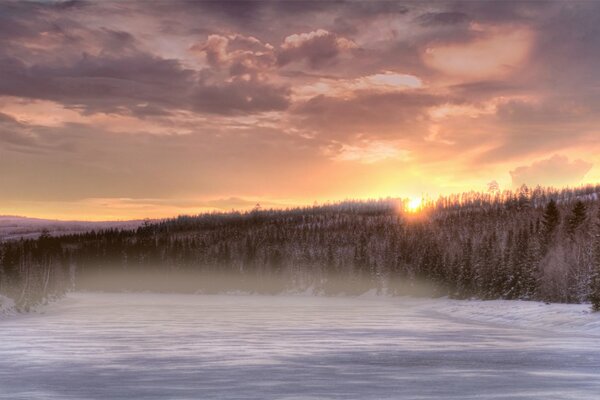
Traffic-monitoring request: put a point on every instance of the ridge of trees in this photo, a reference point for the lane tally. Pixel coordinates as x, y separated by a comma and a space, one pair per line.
534, 244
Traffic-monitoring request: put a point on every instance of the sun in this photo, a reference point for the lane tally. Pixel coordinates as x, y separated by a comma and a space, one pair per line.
414, 204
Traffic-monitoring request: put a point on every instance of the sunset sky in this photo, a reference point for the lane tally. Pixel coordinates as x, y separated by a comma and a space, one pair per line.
119, 110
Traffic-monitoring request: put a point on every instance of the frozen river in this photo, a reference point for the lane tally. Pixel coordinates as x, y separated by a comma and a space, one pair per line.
160, 346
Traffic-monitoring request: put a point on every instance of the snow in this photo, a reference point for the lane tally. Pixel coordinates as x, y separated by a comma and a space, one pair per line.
527, 314
15, 227
7, 306
158, 346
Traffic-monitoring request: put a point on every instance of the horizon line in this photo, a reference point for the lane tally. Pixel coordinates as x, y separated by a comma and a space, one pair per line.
424, 198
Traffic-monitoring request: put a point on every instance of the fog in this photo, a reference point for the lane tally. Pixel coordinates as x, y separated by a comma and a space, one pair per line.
163, 280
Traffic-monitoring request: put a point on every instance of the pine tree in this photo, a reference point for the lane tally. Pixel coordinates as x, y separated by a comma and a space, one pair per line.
577, 217
465, 274
550, 221
595, 290
523, 201
595, 279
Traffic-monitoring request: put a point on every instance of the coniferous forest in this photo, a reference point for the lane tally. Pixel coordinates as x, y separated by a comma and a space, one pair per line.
533, 244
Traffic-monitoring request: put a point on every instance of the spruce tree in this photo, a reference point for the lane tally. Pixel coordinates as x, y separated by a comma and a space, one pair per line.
595, 278
523, 201
595, 289
577, 217
550, 221
465, 275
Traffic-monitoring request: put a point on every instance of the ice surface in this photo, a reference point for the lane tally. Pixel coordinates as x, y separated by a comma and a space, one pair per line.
162, 346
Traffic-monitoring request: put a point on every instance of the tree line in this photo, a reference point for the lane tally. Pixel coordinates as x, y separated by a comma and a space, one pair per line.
535, 244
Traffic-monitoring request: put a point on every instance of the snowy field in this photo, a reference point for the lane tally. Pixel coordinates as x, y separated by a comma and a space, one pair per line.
159, 346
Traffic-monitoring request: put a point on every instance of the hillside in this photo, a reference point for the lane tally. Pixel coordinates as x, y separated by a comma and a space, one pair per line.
16, 227
538, 244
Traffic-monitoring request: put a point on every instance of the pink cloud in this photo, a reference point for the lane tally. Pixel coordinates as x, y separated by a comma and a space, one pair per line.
554, 171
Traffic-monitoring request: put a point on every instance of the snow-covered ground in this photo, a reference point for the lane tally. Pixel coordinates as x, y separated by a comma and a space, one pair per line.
161, 346
7, 306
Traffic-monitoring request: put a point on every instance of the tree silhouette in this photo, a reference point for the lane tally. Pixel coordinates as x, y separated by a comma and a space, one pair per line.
577, 217
550, 221
487, 245
595, 278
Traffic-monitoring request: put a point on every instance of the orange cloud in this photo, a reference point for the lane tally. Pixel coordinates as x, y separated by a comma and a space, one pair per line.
494, 52
386, 81
371, 152
554, 171
316, 48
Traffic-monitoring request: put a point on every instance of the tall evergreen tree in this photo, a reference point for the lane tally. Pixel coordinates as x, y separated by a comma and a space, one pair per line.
577, 217
595, 279
465, 272
550, 221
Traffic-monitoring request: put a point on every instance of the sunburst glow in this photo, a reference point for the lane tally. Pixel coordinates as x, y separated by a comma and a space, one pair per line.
414, 204
286, 108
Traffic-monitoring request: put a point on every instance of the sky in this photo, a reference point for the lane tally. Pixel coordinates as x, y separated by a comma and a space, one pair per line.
150, 109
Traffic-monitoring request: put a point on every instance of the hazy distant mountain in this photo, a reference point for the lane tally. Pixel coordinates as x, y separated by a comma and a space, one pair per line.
15, 227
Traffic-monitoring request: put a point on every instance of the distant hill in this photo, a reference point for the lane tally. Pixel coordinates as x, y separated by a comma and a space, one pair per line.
16, 227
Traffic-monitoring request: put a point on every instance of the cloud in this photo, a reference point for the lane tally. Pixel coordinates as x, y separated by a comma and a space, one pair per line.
371, 152
13, 135
317, 48
238, 203
99, 83
554, 171
443, 18
239, 96
240, 99
369, 114
383, 82
238, 11
179, 206
49, 56
540, 124
243, 56
140, 84
493, 52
